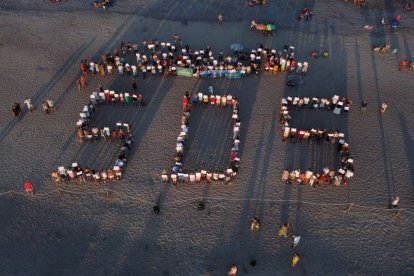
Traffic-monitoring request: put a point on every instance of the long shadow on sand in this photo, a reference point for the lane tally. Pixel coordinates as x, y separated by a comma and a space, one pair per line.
104, 152
409, 149
44, 90
67, 65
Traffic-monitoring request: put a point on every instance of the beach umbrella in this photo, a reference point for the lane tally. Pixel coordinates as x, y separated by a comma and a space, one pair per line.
236, 47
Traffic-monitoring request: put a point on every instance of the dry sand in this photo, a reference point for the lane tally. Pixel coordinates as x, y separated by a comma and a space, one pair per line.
41, 45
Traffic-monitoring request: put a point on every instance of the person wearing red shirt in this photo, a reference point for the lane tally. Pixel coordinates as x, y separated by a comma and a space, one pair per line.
185, 103
322, 179
28, 187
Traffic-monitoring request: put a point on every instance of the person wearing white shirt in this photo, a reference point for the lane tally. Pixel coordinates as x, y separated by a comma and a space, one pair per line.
395, 201
296, 240
28, 103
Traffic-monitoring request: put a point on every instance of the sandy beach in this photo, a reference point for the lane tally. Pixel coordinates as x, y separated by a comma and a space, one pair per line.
346, 230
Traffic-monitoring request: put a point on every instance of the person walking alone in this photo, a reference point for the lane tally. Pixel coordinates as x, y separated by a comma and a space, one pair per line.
210, 90
28, 187
16, 110
232, 271
283, 230
220, 18
384, 107
295, 259
364, 105
395, 200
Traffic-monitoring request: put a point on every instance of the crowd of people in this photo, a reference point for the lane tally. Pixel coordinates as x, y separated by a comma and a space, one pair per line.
87, 132
163, 58
282, 61
78, 173
179, 174
290, 134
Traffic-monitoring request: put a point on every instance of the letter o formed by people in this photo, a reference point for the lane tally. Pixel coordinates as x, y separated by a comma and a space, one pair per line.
87, 132
178, 173
336, 105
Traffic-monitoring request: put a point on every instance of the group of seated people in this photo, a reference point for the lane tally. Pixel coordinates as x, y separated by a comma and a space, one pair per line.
326, 176
201, 176
104, 4
111, 97
319, 135
214, 100
106, 97
298, 135
163, 58
341, 176
283, 61
198, 98
93, 133
335, 104
77, 173
282, 65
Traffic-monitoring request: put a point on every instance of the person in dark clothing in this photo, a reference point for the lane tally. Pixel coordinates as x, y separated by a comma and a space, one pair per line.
364, 105
16, 110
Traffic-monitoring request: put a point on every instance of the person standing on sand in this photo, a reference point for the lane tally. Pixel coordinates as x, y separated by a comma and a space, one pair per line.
395, 200
210, 90
177, 40
16, 110
284, 230
364, 105
81, 83
185, 103
296, 240
28, 103
255, 224
285, 176
383, 107
305, 68
403, 64
233, 270
83, 68
220, 18
295, 259
28, 187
